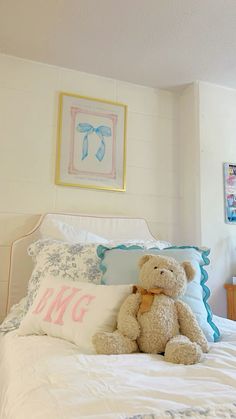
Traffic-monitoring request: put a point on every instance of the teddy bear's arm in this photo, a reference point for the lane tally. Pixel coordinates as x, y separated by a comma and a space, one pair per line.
127, 323
189, 325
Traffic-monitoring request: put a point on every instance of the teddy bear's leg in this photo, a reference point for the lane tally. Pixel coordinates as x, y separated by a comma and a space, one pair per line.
180, 350
113, 343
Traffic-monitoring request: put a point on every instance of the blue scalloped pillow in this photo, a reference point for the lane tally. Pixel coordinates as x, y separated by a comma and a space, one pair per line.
120, 266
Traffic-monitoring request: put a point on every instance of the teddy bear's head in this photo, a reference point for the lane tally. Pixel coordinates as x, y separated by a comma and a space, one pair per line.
166, 274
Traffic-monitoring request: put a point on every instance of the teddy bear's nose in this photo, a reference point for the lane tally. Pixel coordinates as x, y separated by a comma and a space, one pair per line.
162, 272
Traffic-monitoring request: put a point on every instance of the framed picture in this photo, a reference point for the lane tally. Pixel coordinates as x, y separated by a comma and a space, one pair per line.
91, 150
230, 192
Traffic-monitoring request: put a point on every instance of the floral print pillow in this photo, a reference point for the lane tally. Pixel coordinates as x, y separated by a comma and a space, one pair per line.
60, 260
13, 319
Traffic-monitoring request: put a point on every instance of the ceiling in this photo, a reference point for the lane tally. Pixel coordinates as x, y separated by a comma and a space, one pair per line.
159, 43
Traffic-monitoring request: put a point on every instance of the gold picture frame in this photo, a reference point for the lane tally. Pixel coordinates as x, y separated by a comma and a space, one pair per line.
91, 143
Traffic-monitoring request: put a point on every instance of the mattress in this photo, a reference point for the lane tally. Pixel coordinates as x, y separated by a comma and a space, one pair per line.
43, 377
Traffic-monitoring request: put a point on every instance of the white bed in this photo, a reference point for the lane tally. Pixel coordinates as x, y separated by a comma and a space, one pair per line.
44, 377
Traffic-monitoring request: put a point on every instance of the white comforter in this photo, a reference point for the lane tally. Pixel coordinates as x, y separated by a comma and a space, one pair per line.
46, 378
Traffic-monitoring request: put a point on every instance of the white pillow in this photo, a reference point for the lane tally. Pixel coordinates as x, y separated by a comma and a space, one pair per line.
14, 317
146, 244
58, 230
63, 261
74, 311
58, 259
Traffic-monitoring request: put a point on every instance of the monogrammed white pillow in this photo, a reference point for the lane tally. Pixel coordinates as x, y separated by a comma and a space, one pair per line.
74, 311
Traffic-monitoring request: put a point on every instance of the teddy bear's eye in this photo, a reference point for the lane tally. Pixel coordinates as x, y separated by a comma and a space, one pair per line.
171, 270
155, 267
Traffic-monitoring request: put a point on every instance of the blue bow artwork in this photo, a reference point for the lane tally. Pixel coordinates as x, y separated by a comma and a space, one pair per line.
101, 131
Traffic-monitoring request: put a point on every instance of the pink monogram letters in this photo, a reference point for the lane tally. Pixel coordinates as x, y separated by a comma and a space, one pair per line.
42, 303
78, 317
60, 303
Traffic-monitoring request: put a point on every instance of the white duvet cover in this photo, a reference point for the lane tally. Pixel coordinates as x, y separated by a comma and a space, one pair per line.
46, 378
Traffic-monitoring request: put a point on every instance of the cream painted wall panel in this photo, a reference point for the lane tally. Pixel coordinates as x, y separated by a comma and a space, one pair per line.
222, 128
217, 136
26, 197
167, 104
152, 155
210, 104
207, 140
23, 113
87, 85
17, 73
145, 181
189, 161
88, 201
210, 189
36, 165
150, 128
13, 226
4, 262
146, 100
163, 209
139, 99
142, 127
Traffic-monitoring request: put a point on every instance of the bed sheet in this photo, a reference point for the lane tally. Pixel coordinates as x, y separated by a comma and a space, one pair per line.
43, 377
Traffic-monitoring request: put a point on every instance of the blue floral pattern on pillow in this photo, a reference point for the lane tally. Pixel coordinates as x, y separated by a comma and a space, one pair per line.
60, 260
13, 319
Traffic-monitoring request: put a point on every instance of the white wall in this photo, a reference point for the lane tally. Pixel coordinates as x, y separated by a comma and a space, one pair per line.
217, 145
28, 118
207, 116
189, 161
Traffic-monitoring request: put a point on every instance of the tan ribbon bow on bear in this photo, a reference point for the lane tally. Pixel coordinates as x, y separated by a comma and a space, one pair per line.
147, 297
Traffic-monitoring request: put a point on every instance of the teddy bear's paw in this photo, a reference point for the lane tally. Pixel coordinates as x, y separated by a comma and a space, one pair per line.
130, 328
113, 343
180, 350
204, 345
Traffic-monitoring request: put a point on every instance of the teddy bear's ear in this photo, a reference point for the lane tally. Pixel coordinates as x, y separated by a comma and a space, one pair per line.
190, 272
144, 259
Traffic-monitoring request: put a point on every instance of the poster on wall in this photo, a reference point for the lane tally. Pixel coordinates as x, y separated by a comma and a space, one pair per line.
230, 192
91, 149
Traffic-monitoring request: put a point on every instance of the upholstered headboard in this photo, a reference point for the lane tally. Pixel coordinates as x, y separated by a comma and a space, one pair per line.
110, 227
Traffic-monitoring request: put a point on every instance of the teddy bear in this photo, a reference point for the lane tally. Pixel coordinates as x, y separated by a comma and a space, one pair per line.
153, 319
